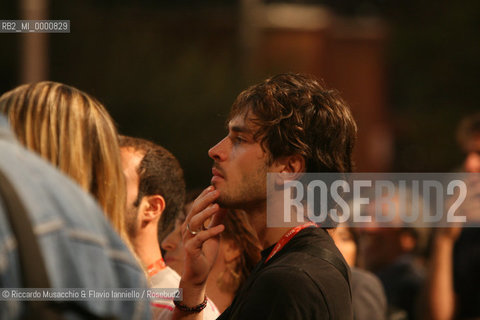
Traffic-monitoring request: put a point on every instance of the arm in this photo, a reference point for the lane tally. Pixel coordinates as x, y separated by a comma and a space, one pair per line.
441, 296
200, 250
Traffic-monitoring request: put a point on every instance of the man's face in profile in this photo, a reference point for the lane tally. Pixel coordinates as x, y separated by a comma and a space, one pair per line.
472, 160
130, 162
240, 166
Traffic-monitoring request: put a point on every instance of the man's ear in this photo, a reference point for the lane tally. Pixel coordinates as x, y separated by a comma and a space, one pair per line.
295, 164
231, 251
290, 164
291, 167
152, 207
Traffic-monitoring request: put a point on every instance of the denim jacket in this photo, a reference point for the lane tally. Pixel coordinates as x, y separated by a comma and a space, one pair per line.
80, 248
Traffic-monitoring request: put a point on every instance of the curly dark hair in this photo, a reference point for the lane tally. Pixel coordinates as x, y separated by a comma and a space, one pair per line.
295, 114
239, 230
159, 173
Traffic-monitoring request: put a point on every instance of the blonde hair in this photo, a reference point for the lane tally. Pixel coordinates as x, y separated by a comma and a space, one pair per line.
74, 132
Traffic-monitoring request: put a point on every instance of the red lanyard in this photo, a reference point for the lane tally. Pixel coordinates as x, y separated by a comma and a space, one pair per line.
287, 237
156, 267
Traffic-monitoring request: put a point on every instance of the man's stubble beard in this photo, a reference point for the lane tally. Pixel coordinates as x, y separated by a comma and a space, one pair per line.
131, 221
247, 194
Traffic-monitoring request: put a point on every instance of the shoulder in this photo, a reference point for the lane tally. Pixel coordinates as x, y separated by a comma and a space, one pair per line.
307, 269
45, 191
56, 203
369, 301
312, 253
298, 285
300, 275
71, 228
287, 277
279, 292
362, 278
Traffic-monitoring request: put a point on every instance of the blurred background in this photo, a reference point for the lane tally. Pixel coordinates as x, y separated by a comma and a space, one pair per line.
170, 70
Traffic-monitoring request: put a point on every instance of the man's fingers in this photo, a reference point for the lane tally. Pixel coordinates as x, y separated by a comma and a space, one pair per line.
198, 221
202, 194
203, 201
218, 218
196, 242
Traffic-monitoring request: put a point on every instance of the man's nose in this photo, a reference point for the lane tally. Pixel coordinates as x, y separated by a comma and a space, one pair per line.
219, 151
472, 162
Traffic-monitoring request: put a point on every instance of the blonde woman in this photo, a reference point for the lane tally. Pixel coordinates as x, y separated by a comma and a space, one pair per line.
74, 132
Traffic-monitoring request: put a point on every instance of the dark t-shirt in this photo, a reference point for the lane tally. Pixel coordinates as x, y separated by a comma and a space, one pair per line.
295, 283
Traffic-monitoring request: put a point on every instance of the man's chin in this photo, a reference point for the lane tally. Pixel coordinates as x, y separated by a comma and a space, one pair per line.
227, 203
222, 201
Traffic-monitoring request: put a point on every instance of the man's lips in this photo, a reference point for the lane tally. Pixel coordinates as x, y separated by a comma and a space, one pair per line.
217, 173
217, 176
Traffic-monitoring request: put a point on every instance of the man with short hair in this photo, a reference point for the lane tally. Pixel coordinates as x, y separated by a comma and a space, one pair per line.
287, 124
155, 197
155, 190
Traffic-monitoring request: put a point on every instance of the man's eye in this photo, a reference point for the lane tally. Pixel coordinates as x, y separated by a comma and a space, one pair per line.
238, 140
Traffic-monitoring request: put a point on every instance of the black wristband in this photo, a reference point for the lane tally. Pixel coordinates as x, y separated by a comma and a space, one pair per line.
195, 309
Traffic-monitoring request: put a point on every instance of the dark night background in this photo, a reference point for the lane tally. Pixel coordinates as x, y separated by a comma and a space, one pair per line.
170, 71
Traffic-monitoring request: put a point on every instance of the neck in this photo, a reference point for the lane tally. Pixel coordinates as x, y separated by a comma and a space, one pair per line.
146, 245
266, 235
